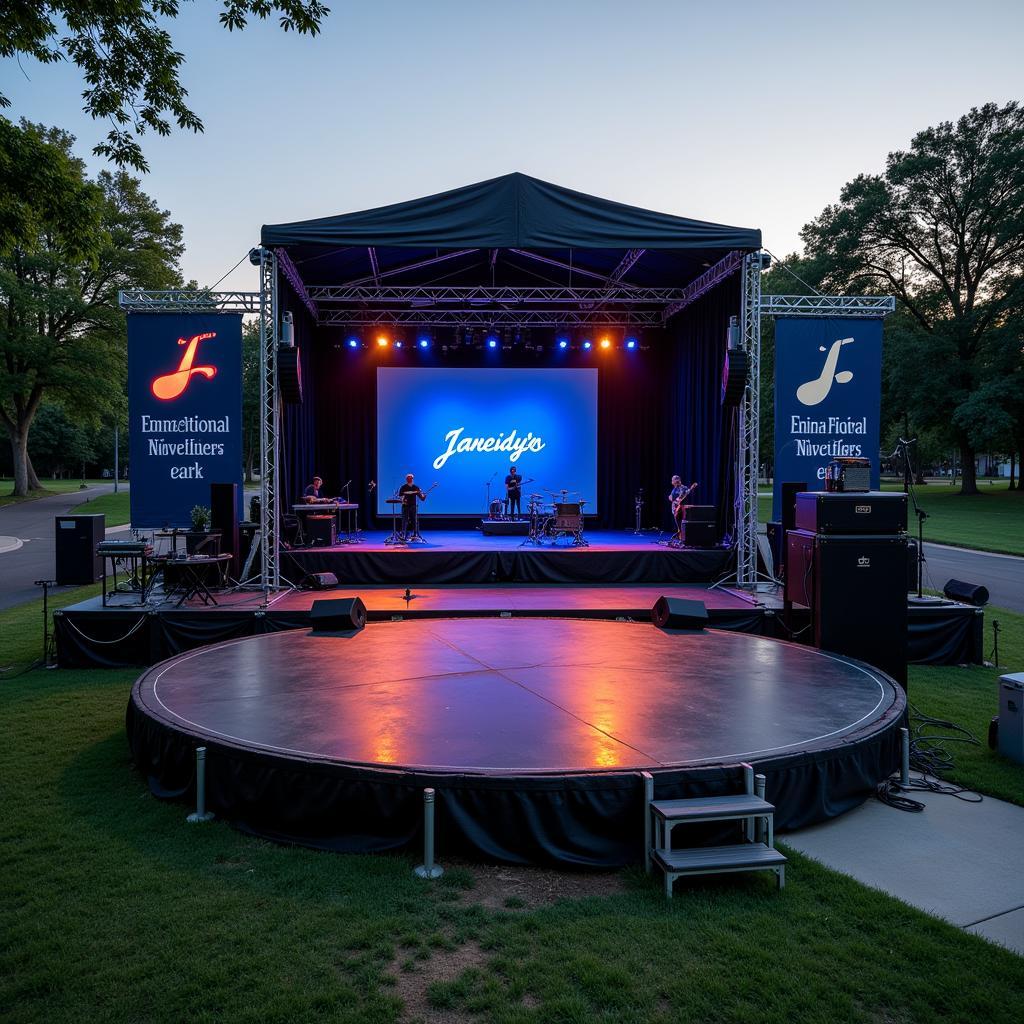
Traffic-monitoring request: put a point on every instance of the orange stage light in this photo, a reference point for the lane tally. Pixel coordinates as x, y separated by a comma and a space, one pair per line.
606, 343
382, 340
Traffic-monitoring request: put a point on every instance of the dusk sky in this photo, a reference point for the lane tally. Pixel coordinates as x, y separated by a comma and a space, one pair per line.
750, 114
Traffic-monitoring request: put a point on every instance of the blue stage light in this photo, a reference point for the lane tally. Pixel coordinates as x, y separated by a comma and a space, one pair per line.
631, 343
492, 342
563, 343
587, 345
398, 344
353, 343
424, 343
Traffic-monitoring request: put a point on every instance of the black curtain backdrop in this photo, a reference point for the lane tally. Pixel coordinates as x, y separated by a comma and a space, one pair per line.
659, 410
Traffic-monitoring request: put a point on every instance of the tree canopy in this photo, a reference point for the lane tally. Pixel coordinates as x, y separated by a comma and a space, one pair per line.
62, 334
942, 228
127, 57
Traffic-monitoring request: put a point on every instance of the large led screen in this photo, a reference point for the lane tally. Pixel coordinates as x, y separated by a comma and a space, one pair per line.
463, 428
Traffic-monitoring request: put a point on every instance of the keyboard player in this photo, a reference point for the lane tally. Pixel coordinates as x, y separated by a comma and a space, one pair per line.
312, 496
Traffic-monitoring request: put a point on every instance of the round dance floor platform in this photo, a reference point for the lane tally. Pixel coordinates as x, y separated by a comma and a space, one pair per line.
533, 732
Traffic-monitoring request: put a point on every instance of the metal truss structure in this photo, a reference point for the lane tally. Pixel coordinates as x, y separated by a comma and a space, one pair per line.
178, 300
366, 302
485, 318
748, 441
828, 305
270, 425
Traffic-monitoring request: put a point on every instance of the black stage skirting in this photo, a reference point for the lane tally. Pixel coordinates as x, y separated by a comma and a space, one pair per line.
440, 566
89, 636
532, 732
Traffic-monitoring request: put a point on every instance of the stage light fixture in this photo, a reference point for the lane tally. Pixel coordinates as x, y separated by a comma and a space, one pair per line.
606, 343
398, 344
492, 341
424, 342
353, 342
563, 343
383, 341
631, 343
587, 345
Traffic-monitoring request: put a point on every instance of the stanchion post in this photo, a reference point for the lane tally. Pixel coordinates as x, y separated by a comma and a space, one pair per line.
428, 869
648, 781
200, 813
904, 757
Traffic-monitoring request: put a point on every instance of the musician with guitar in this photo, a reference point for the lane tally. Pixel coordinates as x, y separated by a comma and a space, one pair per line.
677, 499
514, 492
411, 494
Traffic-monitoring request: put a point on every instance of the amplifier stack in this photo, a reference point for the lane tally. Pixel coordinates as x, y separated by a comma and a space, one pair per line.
847, 562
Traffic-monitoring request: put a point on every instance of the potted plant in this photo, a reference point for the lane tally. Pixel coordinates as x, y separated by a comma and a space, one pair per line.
200, 518
199, 540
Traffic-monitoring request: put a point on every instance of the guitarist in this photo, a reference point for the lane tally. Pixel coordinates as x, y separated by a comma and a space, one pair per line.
514, 491
410, 494
677, 498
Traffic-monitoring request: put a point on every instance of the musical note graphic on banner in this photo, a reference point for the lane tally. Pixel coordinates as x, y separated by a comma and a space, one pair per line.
814, 392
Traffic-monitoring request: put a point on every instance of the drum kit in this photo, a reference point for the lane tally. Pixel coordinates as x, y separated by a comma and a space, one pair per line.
554, 517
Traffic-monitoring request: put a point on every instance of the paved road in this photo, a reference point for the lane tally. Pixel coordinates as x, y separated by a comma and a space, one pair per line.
1002, 574
31, 522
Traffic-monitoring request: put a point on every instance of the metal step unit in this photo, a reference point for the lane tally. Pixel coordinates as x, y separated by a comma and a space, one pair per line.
755, 852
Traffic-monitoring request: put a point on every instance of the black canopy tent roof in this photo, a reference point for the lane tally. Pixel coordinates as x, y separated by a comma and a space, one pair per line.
509, 213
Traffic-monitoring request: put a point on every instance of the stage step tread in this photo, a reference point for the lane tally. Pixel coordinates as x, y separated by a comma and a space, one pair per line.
706, 808
714, 858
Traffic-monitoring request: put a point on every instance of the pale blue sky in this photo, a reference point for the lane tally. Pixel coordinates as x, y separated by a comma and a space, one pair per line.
752, 114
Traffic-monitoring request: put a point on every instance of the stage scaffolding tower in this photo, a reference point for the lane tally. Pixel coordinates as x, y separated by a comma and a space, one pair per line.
749, 425
270, 426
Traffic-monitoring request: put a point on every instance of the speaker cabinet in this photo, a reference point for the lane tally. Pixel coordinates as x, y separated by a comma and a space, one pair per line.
76, 539
337, 616
224, 516
320, 581
841, 512
699, 514
855, 587
787, 498
679, 613
697, 535
289, 374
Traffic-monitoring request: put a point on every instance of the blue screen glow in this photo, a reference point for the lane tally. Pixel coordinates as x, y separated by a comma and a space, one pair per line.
461, 427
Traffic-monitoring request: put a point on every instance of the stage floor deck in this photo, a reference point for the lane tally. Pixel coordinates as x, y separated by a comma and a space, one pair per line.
533, 731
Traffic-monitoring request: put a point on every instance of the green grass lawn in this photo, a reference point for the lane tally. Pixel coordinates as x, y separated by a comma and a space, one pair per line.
114, 909
49, 487
990, 521
113, 506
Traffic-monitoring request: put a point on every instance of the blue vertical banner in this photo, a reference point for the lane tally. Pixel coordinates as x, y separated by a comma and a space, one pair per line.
828, 392
184, 412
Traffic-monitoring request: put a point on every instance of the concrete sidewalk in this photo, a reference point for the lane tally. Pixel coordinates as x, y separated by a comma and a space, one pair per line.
959, 861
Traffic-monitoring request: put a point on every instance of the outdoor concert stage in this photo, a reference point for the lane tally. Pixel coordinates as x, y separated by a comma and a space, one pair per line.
532, 731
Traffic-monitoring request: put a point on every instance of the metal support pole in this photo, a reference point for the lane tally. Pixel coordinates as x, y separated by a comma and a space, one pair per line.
269, 424
117, 466
428, 869
648, 780
904, 757
201, 813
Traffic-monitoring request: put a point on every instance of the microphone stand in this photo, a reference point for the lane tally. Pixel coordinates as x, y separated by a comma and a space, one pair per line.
487, 507
902, 452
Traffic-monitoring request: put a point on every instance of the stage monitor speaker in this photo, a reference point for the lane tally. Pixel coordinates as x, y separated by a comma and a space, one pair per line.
679, 613
968, 593
787, 513
289, 374
855, 588
1010, 731
319, 581
697, 535
76, 539
224, 516
337, 616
